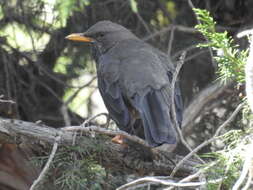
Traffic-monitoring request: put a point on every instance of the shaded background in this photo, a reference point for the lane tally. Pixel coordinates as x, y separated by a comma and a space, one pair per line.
53, 80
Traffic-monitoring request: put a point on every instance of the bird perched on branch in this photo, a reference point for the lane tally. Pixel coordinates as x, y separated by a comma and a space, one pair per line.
134, 80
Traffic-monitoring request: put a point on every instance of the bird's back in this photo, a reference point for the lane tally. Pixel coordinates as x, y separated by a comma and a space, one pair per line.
136, 66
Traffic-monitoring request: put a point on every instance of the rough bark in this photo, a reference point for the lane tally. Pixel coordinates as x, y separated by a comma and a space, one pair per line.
204, 97
136, 158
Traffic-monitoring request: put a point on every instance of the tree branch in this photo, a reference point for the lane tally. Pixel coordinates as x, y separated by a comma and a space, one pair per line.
199, 102
138, 157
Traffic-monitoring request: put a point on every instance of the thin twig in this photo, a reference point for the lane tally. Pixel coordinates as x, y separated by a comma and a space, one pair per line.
192, 56
176, 27
249, 181
171, 39
244, 33
193, 176
49, 161
164, 182
179, 53
45, 70
64, 107
65, 114
143, 23
174, 79
79, 89
6, 101
215, 137
246, 167
182, 28
94, 117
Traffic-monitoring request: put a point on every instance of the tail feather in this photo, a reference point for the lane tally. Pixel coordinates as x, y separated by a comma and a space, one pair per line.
154, 110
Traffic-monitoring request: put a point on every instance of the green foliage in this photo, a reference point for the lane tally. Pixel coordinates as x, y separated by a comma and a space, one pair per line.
71, 170
171, 7
163, 20
79, 174
227, 164
134, 6
228, 161
1, 13
66, 8
22, 38
230, 59
247, 115
229, 173
62, 64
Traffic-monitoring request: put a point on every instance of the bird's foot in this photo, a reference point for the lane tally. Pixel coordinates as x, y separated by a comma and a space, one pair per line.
119, 139
166, 147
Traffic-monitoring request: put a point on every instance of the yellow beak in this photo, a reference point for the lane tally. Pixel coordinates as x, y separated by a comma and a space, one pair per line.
79, 37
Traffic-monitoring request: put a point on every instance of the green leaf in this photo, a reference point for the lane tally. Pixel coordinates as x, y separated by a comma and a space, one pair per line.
134, 6
229, 58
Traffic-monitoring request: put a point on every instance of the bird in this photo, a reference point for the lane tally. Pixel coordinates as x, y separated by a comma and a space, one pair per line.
134, 80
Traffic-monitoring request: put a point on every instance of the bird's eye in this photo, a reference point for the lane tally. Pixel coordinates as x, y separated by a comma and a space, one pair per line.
100, 35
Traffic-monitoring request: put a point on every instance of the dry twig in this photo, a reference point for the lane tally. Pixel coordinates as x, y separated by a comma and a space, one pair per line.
174, 79
215, 137
6, 101
163, 182
246, 168
46, 168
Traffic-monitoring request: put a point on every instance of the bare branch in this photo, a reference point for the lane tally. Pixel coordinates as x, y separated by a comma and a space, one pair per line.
215, 137
138, 157
246, 167
87, 121
199, 102
163, 182
46, 167
174, 79
6, 101
170, 27
171, 39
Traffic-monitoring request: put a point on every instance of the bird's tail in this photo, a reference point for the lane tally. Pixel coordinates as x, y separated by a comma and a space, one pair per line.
155, 111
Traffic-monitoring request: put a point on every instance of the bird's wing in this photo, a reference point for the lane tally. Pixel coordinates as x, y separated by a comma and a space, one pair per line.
112, 95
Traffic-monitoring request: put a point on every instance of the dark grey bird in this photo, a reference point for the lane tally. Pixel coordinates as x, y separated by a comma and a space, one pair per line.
134, 80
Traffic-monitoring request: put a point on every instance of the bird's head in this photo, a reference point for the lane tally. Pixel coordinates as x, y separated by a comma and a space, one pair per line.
104, 35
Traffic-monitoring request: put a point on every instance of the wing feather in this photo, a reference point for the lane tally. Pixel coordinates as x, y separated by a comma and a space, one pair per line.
115, 104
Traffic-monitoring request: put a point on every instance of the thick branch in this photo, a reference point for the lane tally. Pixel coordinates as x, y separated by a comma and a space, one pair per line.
197, 105
137, 158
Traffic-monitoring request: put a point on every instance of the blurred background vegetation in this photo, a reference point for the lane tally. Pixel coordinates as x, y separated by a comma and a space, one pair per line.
54, 81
